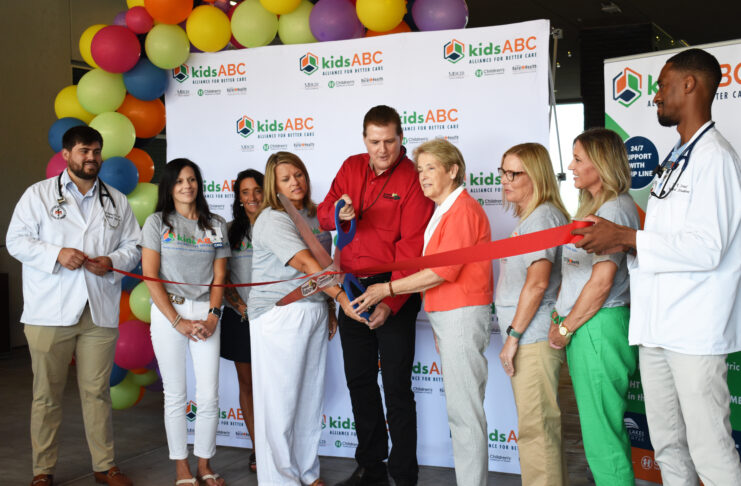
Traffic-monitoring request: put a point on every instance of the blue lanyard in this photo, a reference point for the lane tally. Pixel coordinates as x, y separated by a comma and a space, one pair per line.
668, 167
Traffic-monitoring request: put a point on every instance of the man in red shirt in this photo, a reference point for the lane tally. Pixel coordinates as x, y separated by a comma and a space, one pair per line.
381, 188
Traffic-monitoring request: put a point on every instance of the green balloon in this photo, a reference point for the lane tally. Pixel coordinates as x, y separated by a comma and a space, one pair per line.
118, 134
125, 394
167, 46
143, 200
144, 379
252, 25
294, 28
99, 91
140, 303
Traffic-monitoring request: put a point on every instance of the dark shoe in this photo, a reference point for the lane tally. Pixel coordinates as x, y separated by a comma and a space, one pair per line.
43, 480
367, 477
405, 482
253, 463
112, 477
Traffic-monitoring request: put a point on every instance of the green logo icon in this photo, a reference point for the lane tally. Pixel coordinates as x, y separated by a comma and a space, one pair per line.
331, 84
266, 147
200, 92
479, 73
404, 141
337, 444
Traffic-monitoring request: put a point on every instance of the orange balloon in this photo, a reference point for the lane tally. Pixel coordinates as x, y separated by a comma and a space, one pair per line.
144, 164
125, 313
148, 117
169, 11
399, 29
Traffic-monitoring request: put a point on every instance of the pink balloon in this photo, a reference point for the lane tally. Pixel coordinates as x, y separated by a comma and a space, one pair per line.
56, 165
134, 346
139, 20
115, 49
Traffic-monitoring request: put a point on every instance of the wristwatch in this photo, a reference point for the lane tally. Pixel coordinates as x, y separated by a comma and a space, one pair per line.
511, 332
215, 311
564, 331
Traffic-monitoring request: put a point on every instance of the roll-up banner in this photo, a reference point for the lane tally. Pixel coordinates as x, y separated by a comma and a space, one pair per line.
630, 86
482, 89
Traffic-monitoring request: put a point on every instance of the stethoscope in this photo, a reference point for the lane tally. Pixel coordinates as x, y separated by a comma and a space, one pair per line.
112, 218
665, 166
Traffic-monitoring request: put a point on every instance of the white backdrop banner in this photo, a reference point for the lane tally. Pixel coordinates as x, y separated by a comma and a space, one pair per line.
482, 89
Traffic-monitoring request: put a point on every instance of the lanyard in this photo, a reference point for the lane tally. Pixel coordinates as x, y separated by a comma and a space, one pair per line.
666, 170
365, 182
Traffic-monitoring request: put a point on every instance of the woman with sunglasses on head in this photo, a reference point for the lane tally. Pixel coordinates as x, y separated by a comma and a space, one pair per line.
592, 310
526, 292
235, 326
289, 343
183, 242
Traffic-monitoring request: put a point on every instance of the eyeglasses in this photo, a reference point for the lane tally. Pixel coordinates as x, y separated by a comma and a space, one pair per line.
509, 174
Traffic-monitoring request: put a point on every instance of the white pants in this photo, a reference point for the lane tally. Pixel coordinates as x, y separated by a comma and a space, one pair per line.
462, 337
289, 355
688, 412
170, 347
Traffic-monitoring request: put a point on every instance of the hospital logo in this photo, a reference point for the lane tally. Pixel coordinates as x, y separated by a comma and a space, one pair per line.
338, 444
454, 51
190, 411
168, 236
180, 73
245, 126
308, 64
626, 87
58, 212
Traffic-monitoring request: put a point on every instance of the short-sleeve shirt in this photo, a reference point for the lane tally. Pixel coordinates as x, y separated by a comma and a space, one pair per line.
513, 273
240, 266
576, 264
187, 252
275, 240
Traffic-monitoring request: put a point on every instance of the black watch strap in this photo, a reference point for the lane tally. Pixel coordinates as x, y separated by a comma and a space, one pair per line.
215, 311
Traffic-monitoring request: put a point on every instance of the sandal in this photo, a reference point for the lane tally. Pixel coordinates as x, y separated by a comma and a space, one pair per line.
214, 477
253, 463
191, 481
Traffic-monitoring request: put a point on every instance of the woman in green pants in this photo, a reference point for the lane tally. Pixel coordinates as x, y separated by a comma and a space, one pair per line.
592, 313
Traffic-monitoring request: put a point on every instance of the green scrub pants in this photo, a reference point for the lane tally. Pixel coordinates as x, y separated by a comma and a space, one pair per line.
600, 364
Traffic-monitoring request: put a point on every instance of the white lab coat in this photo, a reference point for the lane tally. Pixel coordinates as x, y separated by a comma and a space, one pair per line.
52, 294
685, 280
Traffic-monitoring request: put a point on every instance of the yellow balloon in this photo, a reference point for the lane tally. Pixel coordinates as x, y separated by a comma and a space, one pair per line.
135, 3
381, 15
86, 39
280, 7
208, 28
67, 104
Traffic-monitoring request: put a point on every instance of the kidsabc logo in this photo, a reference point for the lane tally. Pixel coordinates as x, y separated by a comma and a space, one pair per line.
455, 50
432, 115
310, 63
626, 87
246, 126
183, 72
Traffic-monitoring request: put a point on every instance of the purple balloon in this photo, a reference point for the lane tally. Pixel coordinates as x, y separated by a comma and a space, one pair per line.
120, 18
440, 14
334, 20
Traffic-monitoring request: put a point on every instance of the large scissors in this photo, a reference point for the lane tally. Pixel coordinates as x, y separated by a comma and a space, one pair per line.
321, 280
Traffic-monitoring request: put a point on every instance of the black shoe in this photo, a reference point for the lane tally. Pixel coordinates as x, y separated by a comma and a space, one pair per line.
405, 482
366, 477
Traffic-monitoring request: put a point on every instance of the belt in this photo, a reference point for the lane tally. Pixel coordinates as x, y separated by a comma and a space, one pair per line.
556, 319
175, 299
380, 278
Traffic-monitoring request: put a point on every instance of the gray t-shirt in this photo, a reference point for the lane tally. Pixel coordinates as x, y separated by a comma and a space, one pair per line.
513, 272
275, 240
577, 263
240, 267
187, 253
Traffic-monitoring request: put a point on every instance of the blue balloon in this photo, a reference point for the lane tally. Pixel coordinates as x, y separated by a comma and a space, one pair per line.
59, 128
128, 283
146, 81
119, 172
117, 375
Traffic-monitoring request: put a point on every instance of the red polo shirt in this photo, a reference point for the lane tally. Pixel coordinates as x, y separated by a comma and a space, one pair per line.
391, 211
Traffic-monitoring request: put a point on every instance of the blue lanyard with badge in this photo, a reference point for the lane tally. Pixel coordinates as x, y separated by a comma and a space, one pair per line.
666, 169
111, 217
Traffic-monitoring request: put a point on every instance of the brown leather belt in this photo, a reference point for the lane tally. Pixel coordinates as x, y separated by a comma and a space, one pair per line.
175, 299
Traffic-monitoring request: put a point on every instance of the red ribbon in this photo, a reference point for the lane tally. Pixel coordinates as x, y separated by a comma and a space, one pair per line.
507, 247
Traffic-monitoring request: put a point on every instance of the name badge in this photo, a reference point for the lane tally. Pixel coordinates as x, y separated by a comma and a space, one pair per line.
58, 212
216, 237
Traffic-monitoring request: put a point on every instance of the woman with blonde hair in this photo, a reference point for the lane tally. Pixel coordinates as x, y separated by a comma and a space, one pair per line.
289, 343
592, 310
526, 292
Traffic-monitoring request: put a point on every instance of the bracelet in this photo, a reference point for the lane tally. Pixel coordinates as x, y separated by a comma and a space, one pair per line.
337, 297
244, 314
176, 321
391, 290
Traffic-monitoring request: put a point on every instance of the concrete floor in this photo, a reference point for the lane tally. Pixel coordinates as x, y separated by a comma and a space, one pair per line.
141, 448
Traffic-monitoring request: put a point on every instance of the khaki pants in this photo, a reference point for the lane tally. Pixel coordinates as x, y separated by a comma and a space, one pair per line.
52, 348
535, 388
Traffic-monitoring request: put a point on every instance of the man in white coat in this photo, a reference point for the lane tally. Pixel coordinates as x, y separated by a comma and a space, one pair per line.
68, 231
685, 312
